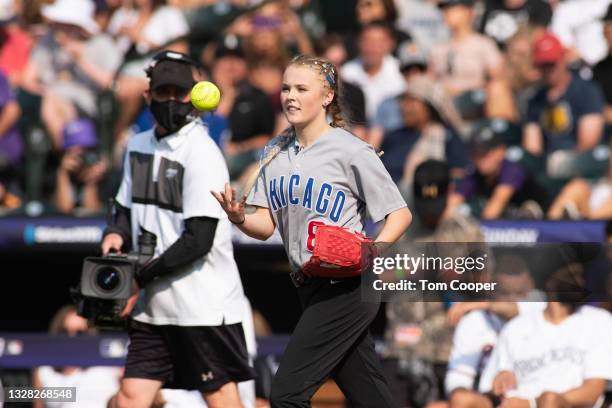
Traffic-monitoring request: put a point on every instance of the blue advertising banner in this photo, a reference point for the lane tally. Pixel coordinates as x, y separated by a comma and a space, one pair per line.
71, 232
26, 350
543, 231
24, 232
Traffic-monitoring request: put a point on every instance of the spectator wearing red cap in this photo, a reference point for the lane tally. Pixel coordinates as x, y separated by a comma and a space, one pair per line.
565, 114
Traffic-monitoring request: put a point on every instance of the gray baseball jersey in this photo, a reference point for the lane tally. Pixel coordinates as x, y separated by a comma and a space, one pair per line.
334, 181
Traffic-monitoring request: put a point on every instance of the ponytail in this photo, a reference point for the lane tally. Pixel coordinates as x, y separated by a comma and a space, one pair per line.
334, 109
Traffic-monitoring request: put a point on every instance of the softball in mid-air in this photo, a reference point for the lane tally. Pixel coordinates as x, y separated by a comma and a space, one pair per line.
205, 96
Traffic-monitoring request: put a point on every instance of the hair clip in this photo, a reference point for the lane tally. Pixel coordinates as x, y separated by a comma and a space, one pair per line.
327, 69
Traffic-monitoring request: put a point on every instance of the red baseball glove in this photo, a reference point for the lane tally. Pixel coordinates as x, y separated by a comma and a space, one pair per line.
336, 254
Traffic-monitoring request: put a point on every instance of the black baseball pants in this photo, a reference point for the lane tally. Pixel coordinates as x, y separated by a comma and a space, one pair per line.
332, 339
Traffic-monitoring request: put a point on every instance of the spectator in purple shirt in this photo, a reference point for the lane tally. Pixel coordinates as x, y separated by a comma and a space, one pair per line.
505, 187
11, 145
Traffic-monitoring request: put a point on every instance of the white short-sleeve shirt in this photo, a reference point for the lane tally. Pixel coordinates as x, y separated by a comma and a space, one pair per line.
376, 88
553, 357
475, 333
94, 385
578, 24
475, 337
166, 182
167, 23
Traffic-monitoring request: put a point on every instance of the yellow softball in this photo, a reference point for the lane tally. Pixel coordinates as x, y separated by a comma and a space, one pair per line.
205, 96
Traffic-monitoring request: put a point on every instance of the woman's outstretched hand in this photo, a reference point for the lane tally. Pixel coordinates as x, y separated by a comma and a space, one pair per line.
233, 208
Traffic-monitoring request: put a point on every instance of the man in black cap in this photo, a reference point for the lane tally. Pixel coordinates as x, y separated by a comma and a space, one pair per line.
430, 190
188, 304
506, 188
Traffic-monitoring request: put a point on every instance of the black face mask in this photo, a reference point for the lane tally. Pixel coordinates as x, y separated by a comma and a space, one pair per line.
171, 115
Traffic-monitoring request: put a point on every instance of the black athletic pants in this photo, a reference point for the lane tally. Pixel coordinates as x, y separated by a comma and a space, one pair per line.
332, 339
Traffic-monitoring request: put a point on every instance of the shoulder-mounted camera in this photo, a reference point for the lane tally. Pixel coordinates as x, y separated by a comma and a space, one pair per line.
106, 283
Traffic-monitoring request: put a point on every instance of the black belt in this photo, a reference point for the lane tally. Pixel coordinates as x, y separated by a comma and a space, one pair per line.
298, 278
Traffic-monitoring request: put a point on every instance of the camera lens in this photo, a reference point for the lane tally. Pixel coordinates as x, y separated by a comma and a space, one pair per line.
108, 278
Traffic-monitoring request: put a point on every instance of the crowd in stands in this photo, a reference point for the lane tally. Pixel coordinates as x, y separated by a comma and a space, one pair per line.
514, 96
535, 342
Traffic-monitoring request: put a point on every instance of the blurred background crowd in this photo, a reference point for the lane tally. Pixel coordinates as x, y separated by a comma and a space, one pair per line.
496, 109
511, 98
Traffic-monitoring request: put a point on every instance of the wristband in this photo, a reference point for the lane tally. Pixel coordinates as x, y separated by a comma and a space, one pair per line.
238, 223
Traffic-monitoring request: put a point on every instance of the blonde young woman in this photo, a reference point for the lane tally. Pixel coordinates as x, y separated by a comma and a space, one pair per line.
322, 175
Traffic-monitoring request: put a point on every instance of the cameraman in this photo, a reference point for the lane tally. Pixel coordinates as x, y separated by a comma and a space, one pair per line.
185, 327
